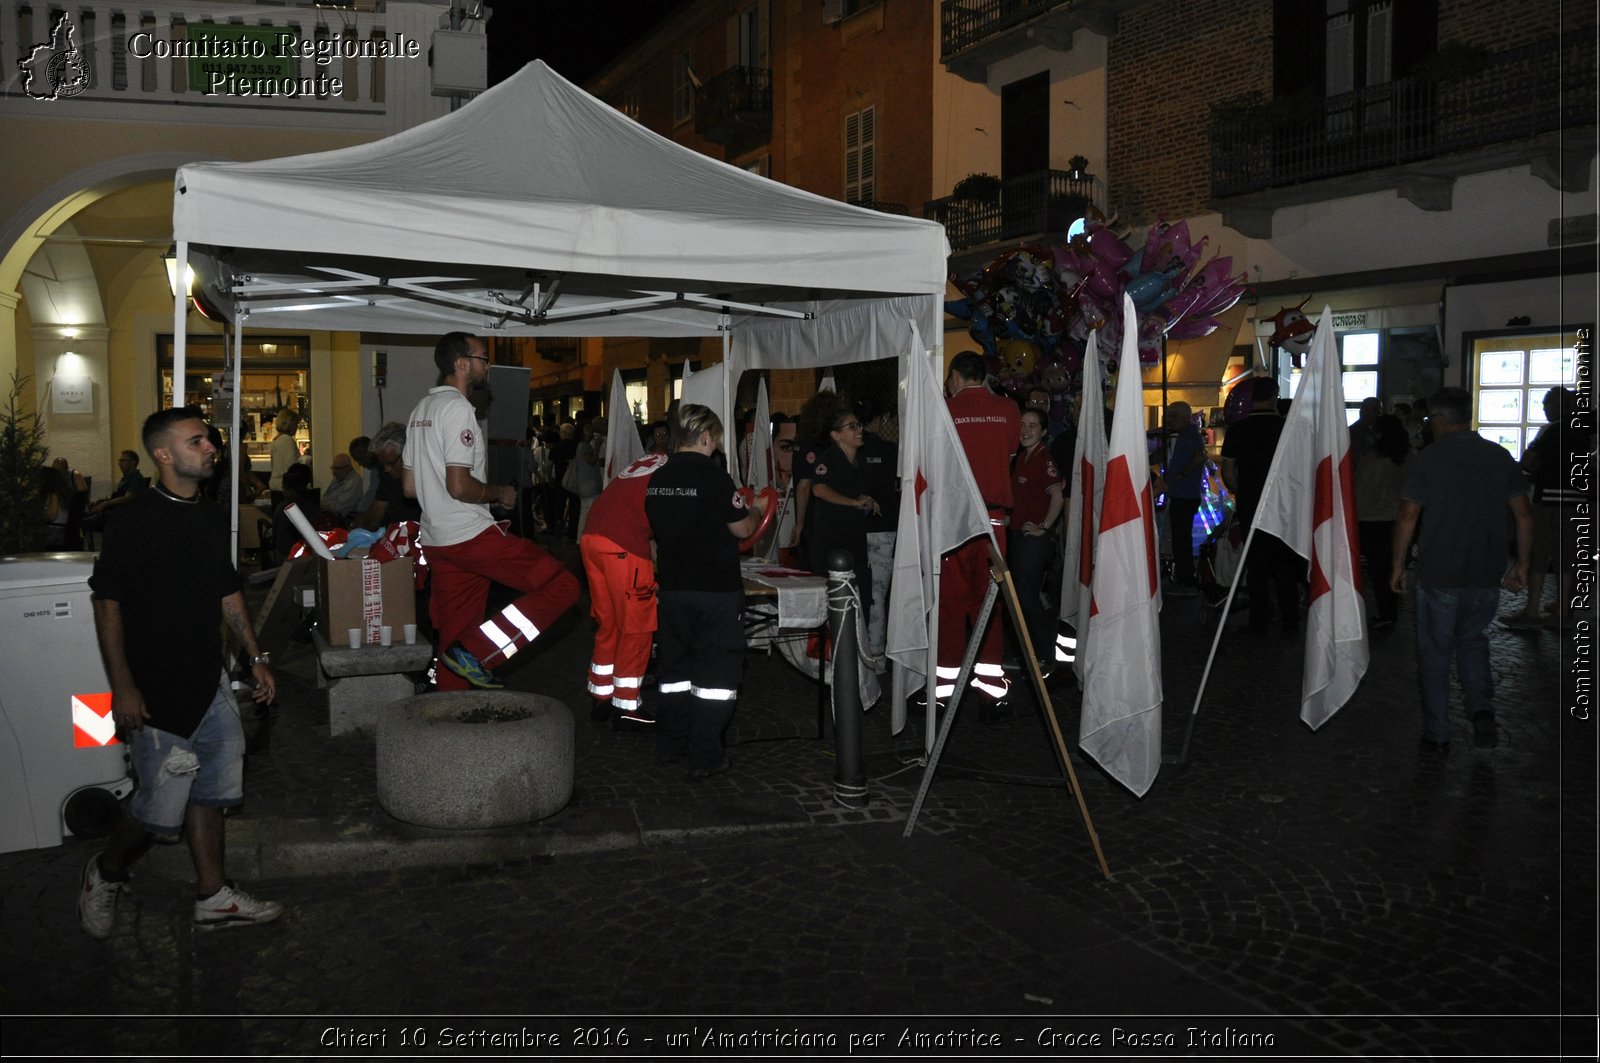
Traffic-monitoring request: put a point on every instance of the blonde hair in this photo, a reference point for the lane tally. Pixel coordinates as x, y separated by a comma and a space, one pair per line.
693, 420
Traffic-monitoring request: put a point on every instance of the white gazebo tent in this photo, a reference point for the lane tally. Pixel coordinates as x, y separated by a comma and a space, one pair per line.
539, 209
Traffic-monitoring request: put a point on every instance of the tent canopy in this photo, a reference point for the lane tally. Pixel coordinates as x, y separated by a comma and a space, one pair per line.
539, 209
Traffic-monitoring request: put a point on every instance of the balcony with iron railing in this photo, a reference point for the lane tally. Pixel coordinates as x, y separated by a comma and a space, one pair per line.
882, 207
735, 107
976, 33
1028, 206
302, 65
1469, 113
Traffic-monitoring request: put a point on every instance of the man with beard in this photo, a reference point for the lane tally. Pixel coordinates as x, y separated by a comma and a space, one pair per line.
163, 585
444, 468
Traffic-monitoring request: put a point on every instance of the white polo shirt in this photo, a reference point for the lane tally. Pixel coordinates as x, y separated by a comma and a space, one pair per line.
444, 431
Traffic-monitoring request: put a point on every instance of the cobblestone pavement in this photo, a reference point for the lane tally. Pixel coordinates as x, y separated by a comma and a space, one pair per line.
1339, 889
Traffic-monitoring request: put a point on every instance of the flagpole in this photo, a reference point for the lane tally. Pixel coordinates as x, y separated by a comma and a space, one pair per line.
1014, 607
1205, 677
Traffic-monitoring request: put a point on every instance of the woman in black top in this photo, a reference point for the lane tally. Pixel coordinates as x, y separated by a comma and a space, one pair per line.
840, 504
700, 594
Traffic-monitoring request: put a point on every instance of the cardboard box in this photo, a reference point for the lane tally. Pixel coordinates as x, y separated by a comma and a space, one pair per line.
362, 593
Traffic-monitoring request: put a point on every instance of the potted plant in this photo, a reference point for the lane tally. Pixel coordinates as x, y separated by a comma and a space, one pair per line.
22, 455
978, 188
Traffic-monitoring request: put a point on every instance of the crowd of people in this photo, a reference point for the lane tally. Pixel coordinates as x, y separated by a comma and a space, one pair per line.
660, 553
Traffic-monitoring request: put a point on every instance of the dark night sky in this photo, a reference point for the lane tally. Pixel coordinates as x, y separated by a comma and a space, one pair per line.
575, 37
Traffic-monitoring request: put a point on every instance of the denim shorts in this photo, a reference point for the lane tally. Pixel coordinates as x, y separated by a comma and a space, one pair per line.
205, 769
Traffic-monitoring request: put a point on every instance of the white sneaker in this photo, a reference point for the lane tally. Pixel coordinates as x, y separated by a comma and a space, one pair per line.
233, 907
97, 901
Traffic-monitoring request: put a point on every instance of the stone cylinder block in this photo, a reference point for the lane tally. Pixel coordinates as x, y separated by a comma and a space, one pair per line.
475, 758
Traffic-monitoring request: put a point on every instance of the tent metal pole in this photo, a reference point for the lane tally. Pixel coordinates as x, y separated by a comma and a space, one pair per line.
935, 356
180, 311
730, 431
234, 442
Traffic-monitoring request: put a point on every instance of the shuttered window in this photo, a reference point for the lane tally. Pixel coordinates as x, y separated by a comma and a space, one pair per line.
682, 88
860, 156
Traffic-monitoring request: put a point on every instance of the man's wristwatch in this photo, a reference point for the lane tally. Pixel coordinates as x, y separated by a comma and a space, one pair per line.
261, 658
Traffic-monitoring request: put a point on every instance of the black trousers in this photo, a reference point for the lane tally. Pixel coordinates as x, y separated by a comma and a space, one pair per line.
699, 665
1377, 546
1180, 525
1275, 572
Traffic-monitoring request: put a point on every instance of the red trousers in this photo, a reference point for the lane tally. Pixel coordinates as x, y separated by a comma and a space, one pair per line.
622, 600
964, 580
461, 577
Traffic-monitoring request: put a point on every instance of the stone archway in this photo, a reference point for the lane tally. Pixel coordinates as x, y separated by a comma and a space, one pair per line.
61, 279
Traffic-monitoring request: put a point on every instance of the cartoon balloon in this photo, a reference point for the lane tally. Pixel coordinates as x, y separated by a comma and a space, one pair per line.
1020, 356
1290, 324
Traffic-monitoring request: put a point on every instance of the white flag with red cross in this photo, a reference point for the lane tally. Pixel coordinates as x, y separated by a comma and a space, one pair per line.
623, 445
1121, 721
1083, 506
1309, 502
940, 509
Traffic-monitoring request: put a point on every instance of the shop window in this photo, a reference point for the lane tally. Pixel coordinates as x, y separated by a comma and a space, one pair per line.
1361, 356
1358, 353
276, 371
1510, 377
637, 392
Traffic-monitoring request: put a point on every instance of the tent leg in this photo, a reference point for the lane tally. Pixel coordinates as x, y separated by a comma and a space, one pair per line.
180, 335
233, 427
1002, 576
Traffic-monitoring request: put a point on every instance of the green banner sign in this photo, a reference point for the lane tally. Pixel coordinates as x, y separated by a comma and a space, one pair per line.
241, 60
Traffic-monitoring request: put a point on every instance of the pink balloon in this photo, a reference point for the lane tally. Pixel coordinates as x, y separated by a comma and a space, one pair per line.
1151, 329
1192, 255
1223, 297
1109, 248
1214, 274
1093, 314
1105, 282
1183, 302
1192, 328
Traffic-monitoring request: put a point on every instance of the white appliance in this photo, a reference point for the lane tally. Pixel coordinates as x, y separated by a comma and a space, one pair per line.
62, 768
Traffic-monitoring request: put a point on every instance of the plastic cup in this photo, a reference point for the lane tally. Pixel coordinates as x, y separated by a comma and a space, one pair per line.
386, 636
411, 634
354, 635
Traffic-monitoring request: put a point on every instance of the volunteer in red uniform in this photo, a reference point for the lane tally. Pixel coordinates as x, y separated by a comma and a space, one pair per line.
698, 518
1036, 490
989, 426
444, 461
622, 593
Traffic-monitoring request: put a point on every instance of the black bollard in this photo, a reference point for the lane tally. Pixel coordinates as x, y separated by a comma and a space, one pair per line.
849, 779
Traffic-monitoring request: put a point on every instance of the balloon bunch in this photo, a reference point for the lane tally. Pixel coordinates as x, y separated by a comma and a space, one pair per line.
1032, 308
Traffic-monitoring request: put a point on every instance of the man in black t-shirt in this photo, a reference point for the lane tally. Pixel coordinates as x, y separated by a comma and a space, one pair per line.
1246, 458
163, 585
697, 519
